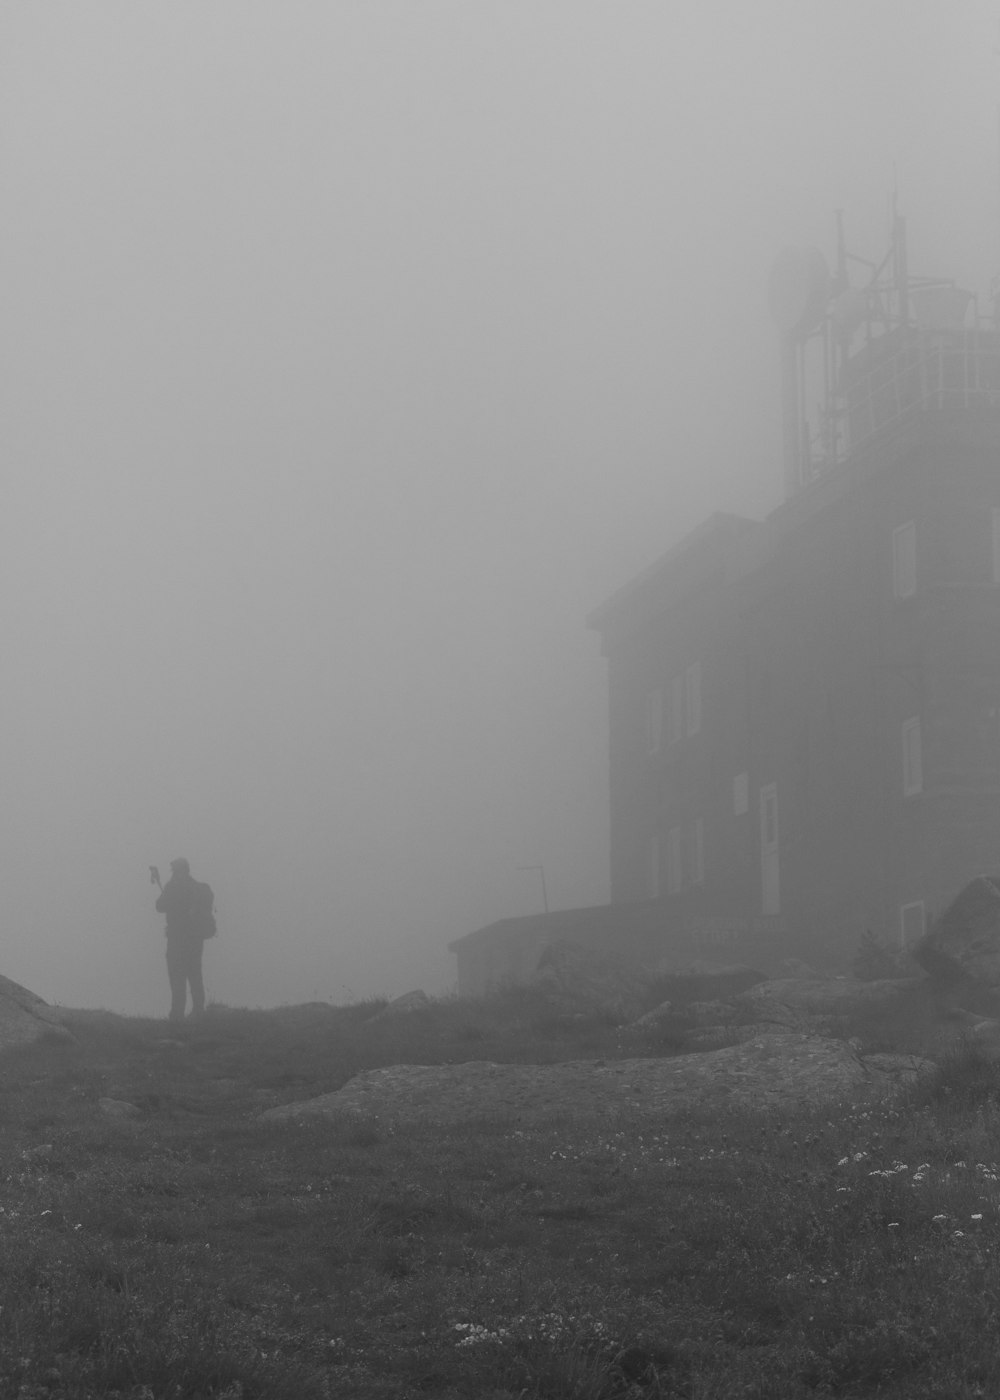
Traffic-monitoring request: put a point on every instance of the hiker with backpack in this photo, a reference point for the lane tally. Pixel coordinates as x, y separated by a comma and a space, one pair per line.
189, 905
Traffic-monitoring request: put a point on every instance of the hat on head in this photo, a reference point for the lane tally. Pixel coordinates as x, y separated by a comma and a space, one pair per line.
180, 865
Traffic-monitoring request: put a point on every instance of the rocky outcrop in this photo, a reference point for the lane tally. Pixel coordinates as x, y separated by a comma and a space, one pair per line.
964, 943
25, 1017
768, 1070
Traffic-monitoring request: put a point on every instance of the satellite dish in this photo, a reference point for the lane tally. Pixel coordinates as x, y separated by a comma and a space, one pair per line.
798, 290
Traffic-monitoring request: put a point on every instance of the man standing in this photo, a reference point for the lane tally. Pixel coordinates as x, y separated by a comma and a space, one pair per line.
188, 905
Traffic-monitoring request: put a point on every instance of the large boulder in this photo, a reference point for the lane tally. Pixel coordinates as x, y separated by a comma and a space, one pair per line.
964, 943
25, 1017
579, 979
771, 1069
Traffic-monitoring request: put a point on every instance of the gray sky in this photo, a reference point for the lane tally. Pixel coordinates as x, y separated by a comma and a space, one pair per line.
351, 353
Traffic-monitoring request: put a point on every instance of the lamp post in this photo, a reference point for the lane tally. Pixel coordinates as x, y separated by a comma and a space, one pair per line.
541, 871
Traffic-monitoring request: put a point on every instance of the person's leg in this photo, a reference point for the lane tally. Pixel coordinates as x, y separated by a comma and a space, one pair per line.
195, 978
177, 972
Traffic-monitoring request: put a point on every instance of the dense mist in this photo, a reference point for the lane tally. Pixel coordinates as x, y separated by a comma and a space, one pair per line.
351, 354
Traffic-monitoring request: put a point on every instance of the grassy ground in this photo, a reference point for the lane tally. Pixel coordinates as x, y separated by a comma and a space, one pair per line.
192, 1251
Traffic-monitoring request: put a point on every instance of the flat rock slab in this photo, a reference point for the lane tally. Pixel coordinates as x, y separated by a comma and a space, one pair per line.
770, 1070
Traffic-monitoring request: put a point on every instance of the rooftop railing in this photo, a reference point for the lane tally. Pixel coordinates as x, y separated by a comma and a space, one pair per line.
915, 371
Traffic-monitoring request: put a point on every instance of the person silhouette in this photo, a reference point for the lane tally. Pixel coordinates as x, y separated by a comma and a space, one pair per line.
188, 905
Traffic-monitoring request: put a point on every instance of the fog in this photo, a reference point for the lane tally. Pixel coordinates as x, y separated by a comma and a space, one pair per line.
351, 353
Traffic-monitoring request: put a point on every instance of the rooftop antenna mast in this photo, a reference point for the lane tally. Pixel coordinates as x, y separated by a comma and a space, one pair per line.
995, 288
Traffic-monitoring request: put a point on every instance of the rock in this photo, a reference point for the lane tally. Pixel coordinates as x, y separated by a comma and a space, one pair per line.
788, 1000
118, 1108
704, 981
400, 1006
651, 1019
25, 1017
768, 1070
964, 943
579, 979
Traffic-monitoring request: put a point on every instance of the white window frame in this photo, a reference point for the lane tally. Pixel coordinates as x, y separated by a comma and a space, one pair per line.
904, 910
996, 543
913, 757
904, 560
698, 852
692, 699
653, 717
675, 862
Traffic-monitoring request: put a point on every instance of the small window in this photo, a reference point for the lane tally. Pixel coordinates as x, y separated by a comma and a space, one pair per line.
654, 720
913, 760
996, 544
675, 868
677, 709
653, 868
698, 852
741, 794
904, 560
912, 923
692, 698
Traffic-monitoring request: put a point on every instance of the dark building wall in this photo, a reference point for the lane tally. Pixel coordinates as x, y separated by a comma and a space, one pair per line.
810, 666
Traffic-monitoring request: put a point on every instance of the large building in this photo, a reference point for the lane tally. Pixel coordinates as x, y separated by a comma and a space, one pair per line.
805, 711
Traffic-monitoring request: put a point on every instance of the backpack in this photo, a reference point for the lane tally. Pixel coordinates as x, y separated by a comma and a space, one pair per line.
203, 910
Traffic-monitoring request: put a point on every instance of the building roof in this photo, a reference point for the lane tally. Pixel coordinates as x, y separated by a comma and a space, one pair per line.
734, 542
647, 916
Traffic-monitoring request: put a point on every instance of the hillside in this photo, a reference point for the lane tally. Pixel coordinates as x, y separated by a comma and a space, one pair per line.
162, 1239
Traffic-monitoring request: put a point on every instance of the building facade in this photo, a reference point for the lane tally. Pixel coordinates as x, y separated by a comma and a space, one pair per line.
805, 711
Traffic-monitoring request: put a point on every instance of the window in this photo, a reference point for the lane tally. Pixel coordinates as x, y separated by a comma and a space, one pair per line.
911, 923
692, 698
913, 762
904, 560
996, 544
675, 869
698, 852
654, 720
741, 794
676, 709
653, 868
